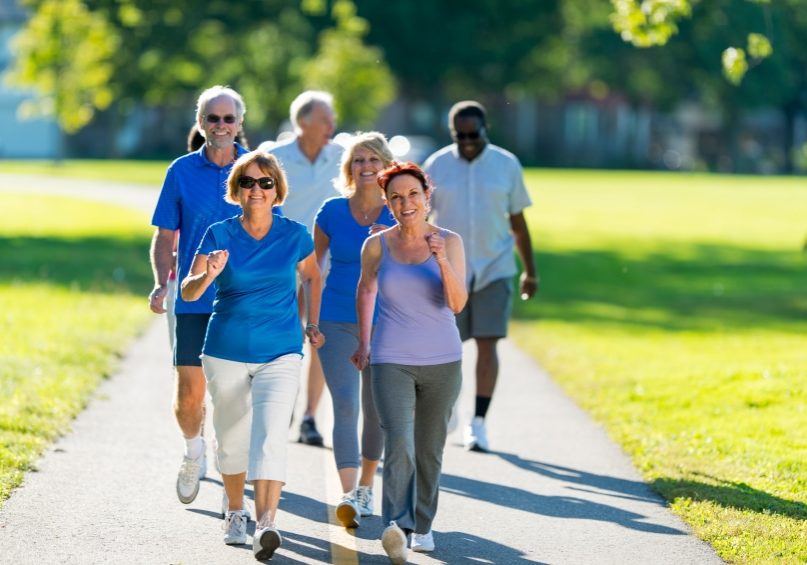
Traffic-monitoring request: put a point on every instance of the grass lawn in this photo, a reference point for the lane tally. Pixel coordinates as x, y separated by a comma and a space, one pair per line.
137, 172
673, 309
73, 284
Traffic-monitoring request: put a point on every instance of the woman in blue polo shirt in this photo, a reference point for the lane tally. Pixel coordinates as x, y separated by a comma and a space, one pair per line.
253, 346
341, 226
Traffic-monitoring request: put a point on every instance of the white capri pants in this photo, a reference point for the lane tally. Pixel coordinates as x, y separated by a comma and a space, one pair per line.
252, 408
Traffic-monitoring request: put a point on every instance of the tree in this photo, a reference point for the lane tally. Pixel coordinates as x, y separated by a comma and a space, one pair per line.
356, 74
65, 54
648, 23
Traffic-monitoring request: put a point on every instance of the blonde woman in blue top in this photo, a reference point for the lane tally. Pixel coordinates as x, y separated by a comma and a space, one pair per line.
417, 272
253, 346
340, 228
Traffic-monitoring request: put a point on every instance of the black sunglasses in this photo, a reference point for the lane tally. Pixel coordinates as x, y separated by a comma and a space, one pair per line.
214, 119
265, 183
470, 135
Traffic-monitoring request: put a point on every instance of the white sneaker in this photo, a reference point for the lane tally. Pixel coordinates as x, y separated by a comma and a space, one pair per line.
225, 506
393, 540
265, 542
476, 435
423, 543
364, 500
347, 511
190, 472
235, 528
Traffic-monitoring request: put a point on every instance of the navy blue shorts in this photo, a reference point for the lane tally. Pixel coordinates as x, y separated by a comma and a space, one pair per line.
190, 337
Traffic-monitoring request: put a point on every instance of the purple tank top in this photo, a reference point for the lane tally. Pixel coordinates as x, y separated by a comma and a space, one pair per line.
415, 326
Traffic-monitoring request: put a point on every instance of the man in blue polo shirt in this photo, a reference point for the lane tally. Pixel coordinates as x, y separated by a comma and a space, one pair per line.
192, 198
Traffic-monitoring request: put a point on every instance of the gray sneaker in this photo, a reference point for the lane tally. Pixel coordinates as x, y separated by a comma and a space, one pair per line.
265, 542
235, 528
364, 500
347, 511
393, 540
190, 472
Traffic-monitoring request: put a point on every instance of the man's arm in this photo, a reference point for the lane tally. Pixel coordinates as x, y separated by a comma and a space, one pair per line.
529, 279
162, 260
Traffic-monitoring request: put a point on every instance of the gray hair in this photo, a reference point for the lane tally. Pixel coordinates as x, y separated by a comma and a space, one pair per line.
215, 92
305, 103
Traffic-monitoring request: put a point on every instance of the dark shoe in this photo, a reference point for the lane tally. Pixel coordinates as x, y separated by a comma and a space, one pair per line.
309, 434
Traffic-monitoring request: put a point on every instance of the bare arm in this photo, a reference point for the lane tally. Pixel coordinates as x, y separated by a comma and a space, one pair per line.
529, 281
450, 256
321, 244
312, 284
365, 298
162, 261
204, 271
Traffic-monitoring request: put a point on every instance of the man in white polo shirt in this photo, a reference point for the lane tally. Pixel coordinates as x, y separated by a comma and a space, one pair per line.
480, 194
311, 162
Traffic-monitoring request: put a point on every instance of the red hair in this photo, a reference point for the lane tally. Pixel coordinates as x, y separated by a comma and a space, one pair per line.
397, 169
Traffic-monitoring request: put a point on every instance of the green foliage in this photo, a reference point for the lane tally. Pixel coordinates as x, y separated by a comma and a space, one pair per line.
72, 284
356, 74
735, 64
65, 53
649, 22
672, 309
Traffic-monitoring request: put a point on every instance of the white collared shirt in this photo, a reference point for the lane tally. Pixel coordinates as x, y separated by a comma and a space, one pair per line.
476, 199
310, 184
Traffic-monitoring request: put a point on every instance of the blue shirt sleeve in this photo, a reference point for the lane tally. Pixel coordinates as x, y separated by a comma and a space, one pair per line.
166, 214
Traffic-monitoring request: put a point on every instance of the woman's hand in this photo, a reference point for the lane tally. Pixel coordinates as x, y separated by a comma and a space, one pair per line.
375, 228
437, 245
315, 337
216, 261
361, 357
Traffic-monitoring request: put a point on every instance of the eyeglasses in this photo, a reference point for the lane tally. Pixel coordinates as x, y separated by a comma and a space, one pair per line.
214, 119
460, 136
266, 183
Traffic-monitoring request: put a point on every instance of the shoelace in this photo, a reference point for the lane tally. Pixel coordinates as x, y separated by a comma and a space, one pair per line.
363, 497
236, 518
189, 471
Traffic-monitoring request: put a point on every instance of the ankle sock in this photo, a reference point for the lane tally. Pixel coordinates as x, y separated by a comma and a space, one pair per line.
194, 447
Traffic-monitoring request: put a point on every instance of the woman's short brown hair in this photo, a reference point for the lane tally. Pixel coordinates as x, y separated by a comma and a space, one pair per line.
268, 164
397, 169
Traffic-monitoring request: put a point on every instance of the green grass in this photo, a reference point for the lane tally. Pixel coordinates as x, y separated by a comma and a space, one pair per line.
137, 172
73, 282
673, 309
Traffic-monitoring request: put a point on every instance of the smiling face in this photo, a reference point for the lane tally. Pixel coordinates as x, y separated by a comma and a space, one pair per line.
470, 136
256, 198
364, 168
407, 200
217, 132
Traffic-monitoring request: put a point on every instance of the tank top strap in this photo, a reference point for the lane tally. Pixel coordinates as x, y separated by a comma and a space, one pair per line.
384, 248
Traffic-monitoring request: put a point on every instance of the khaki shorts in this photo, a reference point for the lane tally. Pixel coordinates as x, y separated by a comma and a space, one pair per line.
487, 312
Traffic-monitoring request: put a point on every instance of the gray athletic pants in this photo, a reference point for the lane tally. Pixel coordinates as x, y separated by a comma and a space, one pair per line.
342, 378
414, 404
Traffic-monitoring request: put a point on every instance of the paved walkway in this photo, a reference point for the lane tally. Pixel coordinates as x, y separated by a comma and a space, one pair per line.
555, 490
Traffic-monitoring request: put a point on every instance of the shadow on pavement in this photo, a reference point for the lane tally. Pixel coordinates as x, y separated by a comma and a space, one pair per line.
563, 506
611, 486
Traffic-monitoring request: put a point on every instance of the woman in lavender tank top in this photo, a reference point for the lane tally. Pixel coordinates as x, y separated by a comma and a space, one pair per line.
417, 271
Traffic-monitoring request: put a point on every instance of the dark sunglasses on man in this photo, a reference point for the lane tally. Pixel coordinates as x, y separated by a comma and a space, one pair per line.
265, 183
472, 135
215, 119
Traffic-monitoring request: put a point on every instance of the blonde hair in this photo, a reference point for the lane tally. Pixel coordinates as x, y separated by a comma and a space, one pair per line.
268, 164
371, 140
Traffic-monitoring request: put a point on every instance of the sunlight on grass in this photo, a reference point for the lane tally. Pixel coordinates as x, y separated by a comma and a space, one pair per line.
136, 172
73, 286
672, 308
